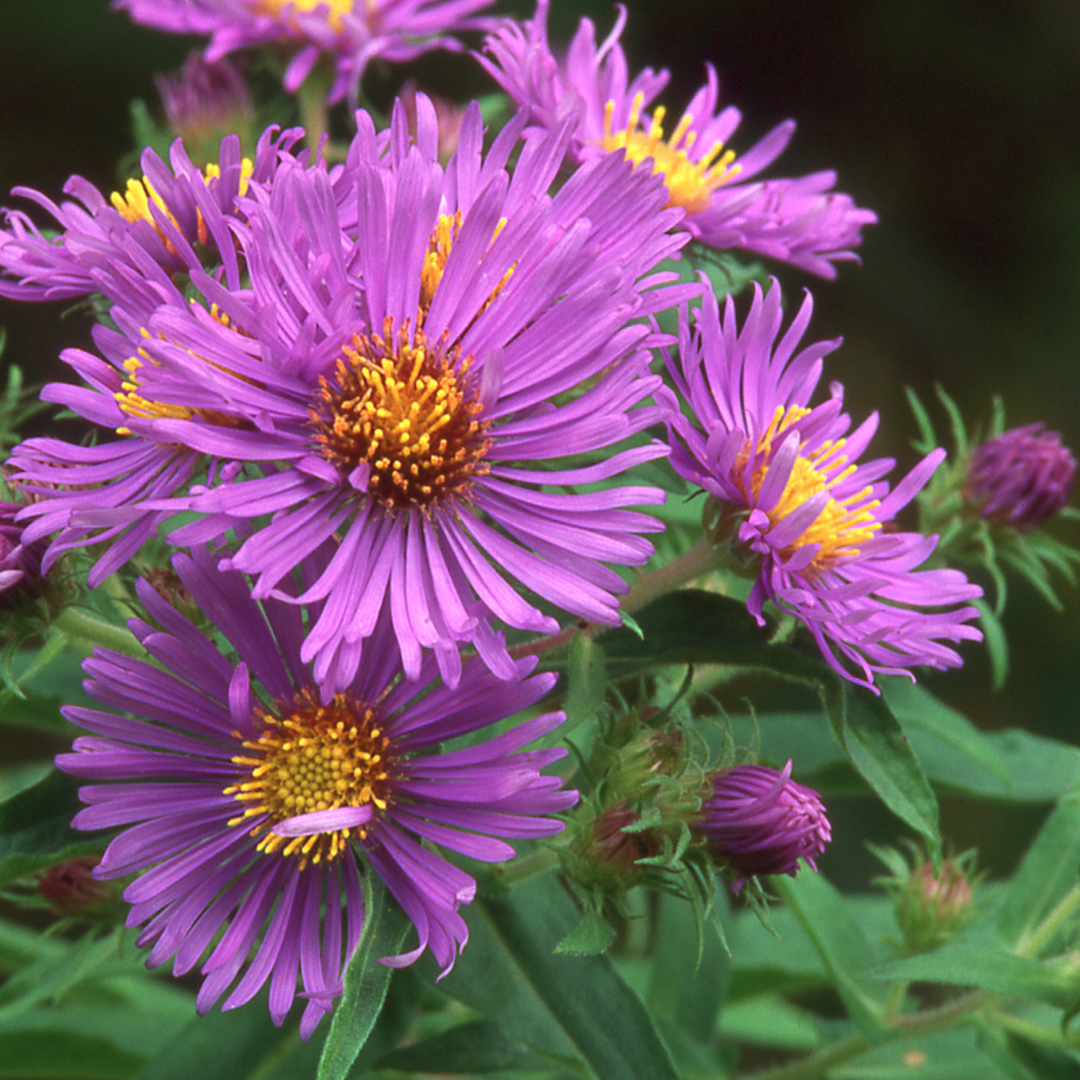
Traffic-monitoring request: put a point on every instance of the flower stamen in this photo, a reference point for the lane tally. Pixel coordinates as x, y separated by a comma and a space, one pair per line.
315, 758
690, 184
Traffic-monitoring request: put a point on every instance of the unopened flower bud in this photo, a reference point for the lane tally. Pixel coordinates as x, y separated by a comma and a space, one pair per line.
759, 821
1021, 478
206, 101
617, 850
932, 907
71, 887
20, 564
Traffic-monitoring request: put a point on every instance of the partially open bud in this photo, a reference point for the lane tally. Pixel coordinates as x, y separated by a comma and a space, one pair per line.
1021, 478
71, 887
206, 101
931, 908
20, 564
759, 821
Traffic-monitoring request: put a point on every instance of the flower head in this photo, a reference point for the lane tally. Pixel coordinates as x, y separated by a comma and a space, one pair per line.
1022, 478
71, 887
820, 521
250, 808
351, 33
759, 821
800, 221
171, 221
412, 384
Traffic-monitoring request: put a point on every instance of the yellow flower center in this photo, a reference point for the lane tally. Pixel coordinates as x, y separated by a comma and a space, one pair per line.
134, 204
690, 184
317, 757
842, 525
403, 409
335, 9
132, 402
438, 252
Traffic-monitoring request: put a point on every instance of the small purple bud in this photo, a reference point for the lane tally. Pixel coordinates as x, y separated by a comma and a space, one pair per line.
1022, 478
20, 564
759, 821
204, 101
71, 887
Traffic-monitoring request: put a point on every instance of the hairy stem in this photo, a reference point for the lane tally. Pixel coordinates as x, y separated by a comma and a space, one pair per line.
80, 627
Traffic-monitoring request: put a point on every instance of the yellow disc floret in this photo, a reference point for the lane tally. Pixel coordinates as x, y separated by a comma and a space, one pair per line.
313, 757
407, 411
842, 525
690, 183
333, 9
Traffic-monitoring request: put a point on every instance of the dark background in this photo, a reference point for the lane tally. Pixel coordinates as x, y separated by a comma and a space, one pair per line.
958, 123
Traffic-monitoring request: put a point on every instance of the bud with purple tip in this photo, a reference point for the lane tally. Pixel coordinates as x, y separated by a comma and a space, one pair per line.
1021, 478
204, 102
759, 821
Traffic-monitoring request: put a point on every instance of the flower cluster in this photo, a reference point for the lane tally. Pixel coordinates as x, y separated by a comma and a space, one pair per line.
403, 412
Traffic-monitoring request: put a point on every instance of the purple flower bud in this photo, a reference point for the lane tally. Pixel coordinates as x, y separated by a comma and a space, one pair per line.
71, 887
759, 821
204, 101
1022, 478
20, 564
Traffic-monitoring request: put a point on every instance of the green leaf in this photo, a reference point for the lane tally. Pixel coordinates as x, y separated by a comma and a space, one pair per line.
1023, 1059
475, 1047
997, 644
877, 746
686, 986
844, 948
586, 681
927, 438
1048, 871
61, 1055
35, 827
946, 1055
770, 1021
366, 981
242, 1044
565, 1006
960, 964
593, 935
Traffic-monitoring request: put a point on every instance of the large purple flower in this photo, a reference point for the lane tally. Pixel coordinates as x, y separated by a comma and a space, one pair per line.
820, 523
350, 32
250, 808
424, 384
173, 220
800, 221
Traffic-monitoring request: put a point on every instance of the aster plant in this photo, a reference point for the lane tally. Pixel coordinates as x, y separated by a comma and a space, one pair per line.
438, 622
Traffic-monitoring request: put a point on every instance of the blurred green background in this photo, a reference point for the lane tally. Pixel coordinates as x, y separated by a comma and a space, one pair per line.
958, 123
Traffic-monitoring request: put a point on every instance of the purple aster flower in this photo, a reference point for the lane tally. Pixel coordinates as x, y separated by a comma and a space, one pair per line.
350, 32
413, 385
820, 522
204, 101
20, 562
172, 220
1022, 478
250, 808
759, 821
800, 221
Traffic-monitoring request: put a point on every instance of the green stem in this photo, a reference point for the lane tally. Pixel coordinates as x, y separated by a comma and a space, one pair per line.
1068, 906
1029, 1029
817, 1063
311, 101
700, 559
82, 628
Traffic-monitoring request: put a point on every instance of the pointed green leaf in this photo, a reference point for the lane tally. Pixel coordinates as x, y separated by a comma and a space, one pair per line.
879, 750
475, 1047
841, 943
593, 935
997, 644
366, 981
586, 681
1048, 871
567, 1006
